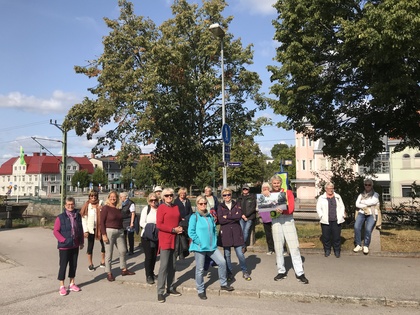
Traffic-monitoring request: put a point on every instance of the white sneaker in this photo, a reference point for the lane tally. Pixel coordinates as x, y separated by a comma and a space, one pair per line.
270, 253
357, 249
365, 250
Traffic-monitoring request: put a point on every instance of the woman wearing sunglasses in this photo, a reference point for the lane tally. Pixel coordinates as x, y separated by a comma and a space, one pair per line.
202, 231
368, 210
167, 222
229, 215
148, 235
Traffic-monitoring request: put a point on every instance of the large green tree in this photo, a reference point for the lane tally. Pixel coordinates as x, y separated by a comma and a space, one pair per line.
281, 153
144, 173
162, 85
349, 73
247, 152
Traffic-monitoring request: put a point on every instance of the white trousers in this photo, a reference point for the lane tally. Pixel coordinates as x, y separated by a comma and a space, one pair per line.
284, 230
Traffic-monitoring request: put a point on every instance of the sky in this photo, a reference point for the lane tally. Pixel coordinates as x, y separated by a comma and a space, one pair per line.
43, 40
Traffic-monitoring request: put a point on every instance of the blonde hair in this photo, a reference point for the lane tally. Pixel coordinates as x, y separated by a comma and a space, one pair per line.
226, 190
265, 184
108, 202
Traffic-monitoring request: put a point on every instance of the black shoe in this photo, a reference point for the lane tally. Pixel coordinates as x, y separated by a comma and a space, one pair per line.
337, 254
150, 280
173, 292
227, 288
327, 254
202, 295
280, 276
130, 253
91, 268
302, 279
161, 298
230, 277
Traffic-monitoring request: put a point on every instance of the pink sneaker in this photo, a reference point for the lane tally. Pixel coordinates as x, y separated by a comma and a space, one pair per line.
74, 288
63, 290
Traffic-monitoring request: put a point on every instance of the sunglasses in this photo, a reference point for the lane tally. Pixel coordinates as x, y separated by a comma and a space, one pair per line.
368, 185
153, 200
245, 189
226, 195
167, 196
202, 203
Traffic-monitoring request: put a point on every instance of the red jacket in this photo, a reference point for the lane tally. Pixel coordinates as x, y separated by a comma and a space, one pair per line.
167, 218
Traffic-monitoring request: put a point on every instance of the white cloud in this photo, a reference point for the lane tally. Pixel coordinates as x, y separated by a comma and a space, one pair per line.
59, 102
262, 7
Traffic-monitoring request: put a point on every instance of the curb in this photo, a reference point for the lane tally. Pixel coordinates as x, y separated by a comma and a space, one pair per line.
294, 296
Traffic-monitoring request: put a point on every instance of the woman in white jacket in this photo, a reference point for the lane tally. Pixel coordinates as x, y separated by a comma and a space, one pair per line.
331, 212
368, 210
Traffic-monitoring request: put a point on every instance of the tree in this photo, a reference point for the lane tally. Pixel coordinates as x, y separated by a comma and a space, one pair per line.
99, 177
127, 176
144, 173
162, 85
349, 73
80, 179
248, 152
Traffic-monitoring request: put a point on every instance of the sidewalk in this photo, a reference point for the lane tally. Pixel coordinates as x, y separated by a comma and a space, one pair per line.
353, 278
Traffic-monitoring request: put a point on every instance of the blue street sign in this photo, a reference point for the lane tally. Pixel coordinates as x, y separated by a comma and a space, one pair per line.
227, 148
227, 157
234, 164
226, 133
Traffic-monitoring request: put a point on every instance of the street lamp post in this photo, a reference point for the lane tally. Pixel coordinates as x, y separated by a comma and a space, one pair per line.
218, 31
63, 164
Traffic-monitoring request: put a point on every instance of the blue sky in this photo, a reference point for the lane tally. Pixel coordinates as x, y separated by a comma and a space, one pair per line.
43, 40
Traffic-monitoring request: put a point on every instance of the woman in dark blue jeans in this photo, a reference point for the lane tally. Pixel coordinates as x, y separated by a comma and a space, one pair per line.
368, 204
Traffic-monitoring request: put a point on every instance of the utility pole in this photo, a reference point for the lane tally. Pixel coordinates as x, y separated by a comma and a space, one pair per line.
63, 163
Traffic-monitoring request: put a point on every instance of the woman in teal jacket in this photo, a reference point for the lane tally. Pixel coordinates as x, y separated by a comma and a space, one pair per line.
202, 231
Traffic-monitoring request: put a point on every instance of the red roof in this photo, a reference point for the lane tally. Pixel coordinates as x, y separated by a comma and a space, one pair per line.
44, 164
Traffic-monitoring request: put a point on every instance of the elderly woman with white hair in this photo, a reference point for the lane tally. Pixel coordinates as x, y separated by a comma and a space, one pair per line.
331, 212
167, 222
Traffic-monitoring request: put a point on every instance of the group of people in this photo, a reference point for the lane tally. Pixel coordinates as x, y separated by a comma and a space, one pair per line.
170, 229
332, 214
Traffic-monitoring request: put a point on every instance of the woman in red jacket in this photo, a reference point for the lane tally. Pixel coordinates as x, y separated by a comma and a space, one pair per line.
167, 222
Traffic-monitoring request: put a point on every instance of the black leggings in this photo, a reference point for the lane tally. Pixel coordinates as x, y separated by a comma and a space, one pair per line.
67, 256
91, 242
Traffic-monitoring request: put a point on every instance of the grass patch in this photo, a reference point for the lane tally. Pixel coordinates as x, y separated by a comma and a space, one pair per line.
404, 240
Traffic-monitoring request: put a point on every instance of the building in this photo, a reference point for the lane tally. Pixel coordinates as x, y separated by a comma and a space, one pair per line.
393, 171
40, 175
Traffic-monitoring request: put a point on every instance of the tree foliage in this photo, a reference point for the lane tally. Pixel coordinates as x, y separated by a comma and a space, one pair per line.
280, 153
99, 177
80, 179
349, 73
162, 85
144, 173
247, 152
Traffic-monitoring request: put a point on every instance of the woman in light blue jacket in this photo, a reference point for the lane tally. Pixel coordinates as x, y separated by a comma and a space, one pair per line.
331, 212
202, 231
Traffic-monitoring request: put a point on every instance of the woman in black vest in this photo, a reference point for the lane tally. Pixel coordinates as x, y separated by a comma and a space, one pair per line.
68, 231
128, 214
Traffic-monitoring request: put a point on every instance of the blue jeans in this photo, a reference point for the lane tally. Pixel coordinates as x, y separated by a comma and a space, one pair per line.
200, 257
241, 258
246, 227
369, 221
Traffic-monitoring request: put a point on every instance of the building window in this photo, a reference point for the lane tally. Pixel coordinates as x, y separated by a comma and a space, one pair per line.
68, 167
406, 161
417, 160
52, 178
407, 191
74, 168
30, 177
52, 189
68, 178
15, 168
311, 165
35, 178
46, 178
303, 165
15, 178
303, 141
309, 143
386, 195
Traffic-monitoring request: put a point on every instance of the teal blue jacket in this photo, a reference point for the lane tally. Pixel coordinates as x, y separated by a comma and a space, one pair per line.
202, 231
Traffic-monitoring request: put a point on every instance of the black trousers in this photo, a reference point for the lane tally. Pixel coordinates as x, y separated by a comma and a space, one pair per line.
150, 252
67, 256
269, 236
331, 236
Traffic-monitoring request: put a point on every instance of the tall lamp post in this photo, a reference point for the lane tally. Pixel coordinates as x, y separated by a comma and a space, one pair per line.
218, 31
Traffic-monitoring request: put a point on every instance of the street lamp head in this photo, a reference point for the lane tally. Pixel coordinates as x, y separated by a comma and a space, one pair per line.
217, 30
